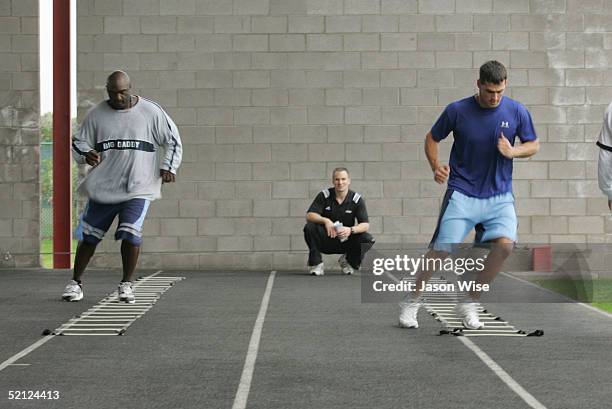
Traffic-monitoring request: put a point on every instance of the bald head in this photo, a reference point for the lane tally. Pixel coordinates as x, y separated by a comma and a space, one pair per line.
118, 77
118, 87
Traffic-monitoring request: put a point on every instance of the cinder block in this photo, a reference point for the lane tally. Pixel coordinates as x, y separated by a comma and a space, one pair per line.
177, 7
567, 170
547, 41
306, 97
381, 96
251, 7
233, 171
363, 115
399, 115
250, 42
216, 190
345, 133
417, 23
138, 43
292, 189
476, 6
249, 226
269, 61
548, 114
160, 244
510, 7
195, 97
568, 207
213, 42
216, 227
112, 25
454, 23
323, 79
271, 208
511, 41
363, 152
325, 152
215, 116
586, 225
400, 225
325, 115
398, 78
269, 24
342, 24
232, 24
395, 7
235, 208
588, 114
273, 243
324, 42
376, 60
214, 7
271, 134
492, 23
232, 61
271, 171
235, 243
533, 207
398, 152
382, 133
582, 151
398, 41
253, 153
547, 77
195, 25
254, 190
289, 153
158, 25
251, 116
549, 225
23, 8
548, 7
437, 7
178, 227
141, 7
530, 170
288, 115
293, 7
384, 207
197, 245
382, 171
306, 24
176, 42
362, 42
157, 61
287, 42
308, 133
454, 59
361, 7
583, 188
380, 24
324, 7
233, 135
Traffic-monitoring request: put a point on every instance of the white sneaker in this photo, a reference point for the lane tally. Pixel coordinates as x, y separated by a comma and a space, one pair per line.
347, 269
408, 313
316, 270
126, 294
468, 311
72, 292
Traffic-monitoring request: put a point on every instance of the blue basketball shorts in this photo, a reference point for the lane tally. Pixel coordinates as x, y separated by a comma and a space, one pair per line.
98, 217
492, 218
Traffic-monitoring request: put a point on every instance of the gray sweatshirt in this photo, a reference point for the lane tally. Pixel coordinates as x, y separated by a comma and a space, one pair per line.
128, 142
604, 166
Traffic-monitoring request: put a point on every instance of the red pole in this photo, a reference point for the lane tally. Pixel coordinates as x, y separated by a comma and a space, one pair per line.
62, 189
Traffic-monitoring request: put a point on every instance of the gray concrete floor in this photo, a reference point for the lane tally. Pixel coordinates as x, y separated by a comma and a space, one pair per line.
321, 347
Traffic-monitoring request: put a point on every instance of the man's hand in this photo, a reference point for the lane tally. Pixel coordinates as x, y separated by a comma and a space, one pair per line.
92, 158
441, 174
344, 232
504, 147
329, 227
167, 176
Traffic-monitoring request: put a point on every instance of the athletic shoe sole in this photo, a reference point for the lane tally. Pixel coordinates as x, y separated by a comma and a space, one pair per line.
73, 298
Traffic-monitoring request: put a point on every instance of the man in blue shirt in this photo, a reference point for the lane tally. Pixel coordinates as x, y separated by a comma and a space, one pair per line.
479, 196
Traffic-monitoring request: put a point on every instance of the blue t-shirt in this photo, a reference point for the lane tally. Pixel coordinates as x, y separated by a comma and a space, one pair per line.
478, 169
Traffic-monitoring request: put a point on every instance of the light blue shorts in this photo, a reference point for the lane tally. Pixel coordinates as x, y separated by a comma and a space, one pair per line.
493, 218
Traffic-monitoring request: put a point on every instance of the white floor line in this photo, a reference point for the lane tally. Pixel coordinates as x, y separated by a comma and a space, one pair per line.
503, 375
244, 387
36, 345
497, 370
587, 306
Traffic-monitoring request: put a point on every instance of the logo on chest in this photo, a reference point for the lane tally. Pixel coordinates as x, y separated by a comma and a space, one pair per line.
505, 124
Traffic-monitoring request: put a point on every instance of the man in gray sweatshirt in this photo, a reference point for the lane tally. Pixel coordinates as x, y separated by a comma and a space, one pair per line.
120, 138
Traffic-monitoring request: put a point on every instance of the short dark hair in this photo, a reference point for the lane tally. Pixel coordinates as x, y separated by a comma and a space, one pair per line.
493, 72
341, 169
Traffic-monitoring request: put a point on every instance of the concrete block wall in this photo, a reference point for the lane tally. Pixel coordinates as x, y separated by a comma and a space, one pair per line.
19, 134
271, 95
